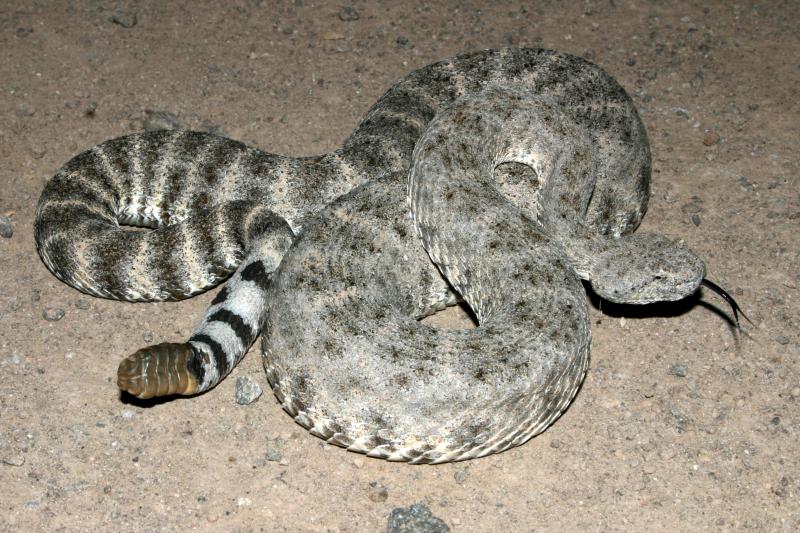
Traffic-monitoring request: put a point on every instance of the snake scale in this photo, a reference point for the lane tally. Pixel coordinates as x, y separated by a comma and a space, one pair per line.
499, 178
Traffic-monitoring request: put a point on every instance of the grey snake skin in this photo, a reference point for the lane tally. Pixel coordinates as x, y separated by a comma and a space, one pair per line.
500, 178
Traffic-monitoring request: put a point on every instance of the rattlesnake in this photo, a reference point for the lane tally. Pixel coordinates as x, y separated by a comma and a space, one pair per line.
343, 351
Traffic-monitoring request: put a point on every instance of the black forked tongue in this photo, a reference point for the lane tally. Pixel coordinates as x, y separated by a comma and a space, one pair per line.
728, 298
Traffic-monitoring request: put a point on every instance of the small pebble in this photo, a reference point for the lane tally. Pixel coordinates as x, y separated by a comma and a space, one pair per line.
745, 183
781, 489
377, 492
82, 303
697, 81
775, 183
127, 18
247, 390
273, 456
649, 392
415, 519
244, 502
681, 112
783, 339
91, 110
38, 151
795, 392
680, 417
6, 230
147, 336
693, 207
348, 14
53, 314
403, 41
25, 112
460, 476
333, 35
679, 370
14, 460
696, 219
711, 138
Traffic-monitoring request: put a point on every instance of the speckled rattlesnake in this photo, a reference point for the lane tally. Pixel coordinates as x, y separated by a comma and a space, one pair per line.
531, 168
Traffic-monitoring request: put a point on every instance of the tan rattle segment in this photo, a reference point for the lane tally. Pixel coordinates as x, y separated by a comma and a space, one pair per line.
159, 370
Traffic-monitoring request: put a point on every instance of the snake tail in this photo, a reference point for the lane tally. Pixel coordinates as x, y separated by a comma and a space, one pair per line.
160, 370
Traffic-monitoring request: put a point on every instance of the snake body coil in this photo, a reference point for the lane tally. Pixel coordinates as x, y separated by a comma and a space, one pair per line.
525, 171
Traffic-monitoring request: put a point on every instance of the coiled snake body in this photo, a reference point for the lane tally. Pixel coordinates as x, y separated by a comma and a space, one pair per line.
526, 170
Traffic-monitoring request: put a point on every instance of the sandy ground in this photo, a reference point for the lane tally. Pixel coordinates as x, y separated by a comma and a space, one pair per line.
681, 423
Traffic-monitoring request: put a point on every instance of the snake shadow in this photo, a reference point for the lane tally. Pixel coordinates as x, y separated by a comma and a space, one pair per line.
129, 399
658, 309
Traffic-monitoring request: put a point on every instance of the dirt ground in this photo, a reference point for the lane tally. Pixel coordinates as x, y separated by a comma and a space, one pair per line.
681, 424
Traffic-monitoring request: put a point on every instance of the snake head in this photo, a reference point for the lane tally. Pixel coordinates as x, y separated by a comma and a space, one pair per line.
645, 268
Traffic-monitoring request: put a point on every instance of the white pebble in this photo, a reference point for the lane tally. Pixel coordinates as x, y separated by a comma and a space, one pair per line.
244, 502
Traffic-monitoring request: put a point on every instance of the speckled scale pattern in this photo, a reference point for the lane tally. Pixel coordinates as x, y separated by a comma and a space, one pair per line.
549, 208
183, 182
347, 357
